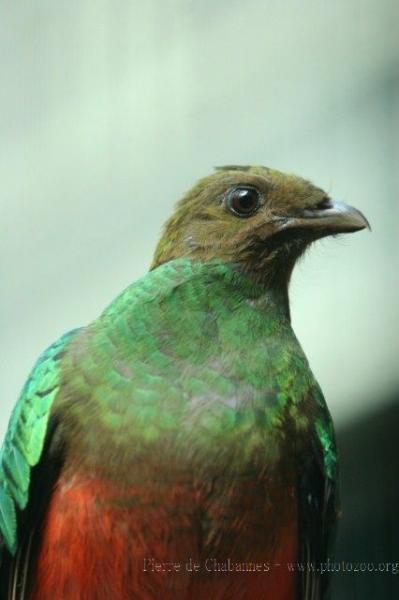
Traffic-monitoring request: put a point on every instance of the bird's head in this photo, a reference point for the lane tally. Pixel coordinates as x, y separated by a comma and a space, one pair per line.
257, 217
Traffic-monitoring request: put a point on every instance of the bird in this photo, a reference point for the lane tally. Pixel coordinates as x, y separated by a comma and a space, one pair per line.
179, 446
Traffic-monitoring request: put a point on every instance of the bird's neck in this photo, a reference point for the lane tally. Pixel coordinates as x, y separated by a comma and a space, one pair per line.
274, 289
279, 294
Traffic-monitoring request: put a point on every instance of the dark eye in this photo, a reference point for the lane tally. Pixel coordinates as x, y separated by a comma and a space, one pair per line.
243, 201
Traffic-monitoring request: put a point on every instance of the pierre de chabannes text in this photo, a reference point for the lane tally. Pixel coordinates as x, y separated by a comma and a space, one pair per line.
212, 565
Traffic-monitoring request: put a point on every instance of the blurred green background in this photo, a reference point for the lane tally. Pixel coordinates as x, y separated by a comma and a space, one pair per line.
110, 110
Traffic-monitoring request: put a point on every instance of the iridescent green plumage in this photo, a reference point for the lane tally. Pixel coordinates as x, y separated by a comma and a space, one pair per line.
25, 437
141, 376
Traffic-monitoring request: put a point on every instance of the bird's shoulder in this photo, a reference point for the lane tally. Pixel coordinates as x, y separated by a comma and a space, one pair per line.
159, 286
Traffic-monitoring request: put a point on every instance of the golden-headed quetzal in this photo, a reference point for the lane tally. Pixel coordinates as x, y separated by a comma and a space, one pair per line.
179, 447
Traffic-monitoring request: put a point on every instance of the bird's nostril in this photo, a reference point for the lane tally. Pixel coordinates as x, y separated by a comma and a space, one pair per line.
323, 204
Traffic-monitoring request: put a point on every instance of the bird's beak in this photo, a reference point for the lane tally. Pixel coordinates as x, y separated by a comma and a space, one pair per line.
336, 217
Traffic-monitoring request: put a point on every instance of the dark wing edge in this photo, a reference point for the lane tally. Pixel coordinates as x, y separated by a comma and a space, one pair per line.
318, 512
17, 571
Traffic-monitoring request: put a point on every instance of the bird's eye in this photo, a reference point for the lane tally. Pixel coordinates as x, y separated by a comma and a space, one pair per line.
243, 201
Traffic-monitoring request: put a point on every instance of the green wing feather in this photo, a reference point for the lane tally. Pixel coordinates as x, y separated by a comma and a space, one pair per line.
25, 438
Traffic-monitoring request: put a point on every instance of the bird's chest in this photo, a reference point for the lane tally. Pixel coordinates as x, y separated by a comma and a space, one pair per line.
207, 390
